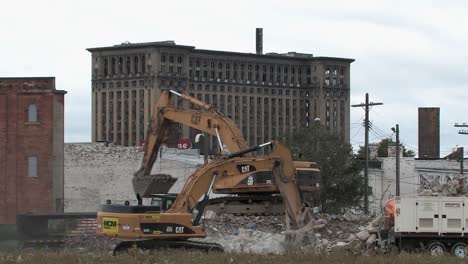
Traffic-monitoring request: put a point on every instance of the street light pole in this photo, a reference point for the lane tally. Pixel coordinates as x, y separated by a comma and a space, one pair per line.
396, 129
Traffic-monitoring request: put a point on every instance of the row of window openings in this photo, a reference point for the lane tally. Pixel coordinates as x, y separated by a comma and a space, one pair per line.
250, 76
334, 71
171, 69
141, 83
334, 93
117, 65
279, 69
237, 89
256, 67
214, 99
333, 82
171, 59
334, 123
125, 100
172, 83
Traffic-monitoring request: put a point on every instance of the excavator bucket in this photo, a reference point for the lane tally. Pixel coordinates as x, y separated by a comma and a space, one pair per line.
153, 184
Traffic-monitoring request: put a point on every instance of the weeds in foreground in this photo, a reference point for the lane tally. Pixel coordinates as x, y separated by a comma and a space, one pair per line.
179, 256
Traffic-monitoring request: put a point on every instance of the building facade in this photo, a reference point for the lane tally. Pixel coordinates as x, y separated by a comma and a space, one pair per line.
31, 147
267, 95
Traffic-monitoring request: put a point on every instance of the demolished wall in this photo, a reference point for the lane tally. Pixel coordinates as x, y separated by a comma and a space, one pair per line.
414, 175
95, 172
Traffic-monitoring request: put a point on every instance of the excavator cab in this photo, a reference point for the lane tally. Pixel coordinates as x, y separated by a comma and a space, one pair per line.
163, 201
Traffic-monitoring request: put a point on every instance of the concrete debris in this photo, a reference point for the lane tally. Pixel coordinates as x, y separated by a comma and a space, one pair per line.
251, 225
321, 221
371, 240
210, 215
349, 233
305, 236
316, 210
363, 235
453, 187
252, 241
228, 224
349, 237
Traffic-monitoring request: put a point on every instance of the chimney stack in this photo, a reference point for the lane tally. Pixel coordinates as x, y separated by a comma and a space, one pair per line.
259, 40
429, 132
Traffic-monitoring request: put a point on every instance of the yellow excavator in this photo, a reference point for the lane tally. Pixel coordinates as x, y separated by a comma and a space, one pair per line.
152, 226
256, 194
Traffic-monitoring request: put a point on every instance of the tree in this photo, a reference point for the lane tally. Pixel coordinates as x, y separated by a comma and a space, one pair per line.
382, 150
340, 179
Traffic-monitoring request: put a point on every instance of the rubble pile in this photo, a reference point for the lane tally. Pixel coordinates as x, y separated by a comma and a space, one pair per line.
228, 224
454, 187
325, 233
86, 152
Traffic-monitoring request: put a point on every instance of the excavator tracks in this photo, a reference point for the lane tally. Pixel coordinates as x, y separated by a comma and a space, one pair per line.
159, 244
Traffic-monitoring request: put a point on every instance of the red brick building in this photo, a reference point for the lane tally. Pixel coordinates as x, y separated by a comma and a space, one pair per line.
31, 147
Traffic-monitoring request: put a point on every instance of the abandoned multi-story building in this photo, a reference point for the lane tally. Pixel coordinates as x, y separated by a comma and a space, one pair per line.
267, 95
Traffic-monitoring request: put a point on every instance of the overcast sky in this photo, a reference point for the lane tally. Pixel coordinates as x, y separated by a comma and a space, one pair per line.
408, 54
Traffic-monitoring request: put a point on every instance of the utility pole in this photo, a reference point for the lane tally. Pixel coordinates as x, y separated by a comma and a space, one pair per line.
366, 147
462, 156
396, 129
462, 132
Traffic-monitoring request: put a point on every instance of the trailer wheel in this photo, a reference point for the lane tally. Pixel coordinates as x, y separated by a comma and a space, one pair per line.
436, 248
459, 250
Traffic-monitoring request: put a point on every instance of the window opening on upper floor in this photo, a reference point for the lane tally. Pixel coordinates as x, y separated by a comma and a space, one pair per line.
32, 166
32, 113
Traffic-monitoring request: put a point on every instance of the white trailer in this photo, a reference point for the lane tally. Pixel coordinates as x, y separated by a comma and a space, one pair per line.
436, 223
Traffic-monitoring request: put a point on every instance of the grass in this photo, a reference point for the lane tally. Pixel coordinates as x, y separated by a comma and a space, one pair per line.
170, 257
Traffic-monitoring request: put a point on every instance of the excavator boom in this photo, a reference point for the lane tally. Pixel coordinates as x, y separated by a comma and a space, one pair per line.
210, 121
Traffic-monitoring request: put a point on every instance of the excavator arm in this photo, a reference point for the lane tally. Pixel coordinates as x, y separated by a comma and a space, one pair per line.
207, 119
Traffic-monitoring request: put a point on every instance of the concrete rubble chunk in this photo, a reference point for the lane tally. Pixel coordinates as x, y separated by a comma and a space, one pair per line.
251, 225
321, 221
316, 210
371, 240
363, 235
210, 214
426, 193
350, 217
350, 237
302, 237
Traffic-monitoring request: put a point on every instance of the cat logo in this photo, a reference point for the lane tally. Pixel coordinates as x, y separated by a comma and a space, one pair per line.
246, 168
179, 229
110, 225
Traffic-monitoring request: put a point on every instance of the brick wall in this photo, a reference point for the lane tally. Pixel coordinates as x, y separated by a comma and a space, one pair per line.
20, 139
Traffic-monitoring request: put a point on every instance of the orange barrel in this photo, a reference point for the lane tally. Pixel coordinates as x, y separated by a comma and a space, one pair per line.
389, 208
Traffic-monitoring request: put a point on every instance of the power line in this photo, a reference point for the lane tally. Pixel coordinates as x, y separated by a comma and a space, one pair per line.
380, 131
355, 134
366, 106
